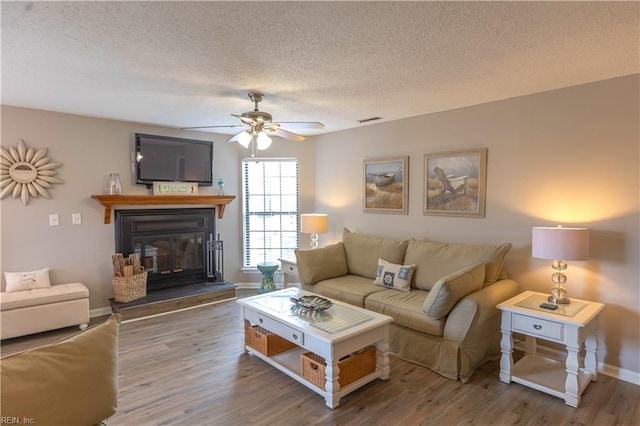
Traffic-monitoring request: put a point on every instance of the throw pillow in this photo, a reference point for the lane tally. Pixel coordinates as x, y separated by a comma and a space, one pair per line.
362, 252
394, 276
435, 260
74, 382
321, 263
19, 281
450, 289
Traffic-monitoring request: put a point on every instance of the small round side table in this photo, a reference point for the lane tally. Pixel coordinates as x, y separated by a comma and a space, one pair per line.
267, 269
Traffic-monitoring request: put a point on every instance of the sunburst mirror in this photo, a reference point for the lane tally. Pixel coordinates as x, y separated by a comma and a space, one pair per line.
26, 172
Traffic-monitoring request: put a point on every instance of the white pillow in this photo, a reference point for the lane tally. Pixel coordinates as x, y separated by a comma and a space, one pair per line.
18, 281
394, 276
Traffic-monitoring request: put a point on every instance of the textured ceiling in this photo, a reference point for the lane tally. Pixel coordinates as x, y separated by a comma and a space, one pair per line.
192, 63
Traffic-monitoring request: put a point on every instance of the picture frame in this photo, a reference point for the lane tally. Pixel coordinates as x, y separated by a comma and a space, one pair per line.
455, 183
386, 185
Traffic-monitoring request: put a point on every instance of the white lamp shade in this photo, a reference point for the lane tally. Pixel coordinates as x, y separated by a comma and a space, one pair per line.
245, 139
263, 141
560, 243
314, 223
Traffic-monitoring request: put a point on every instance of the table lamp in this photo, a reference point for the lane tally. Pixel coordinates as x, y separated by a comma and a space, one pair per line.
314, 224
560, 244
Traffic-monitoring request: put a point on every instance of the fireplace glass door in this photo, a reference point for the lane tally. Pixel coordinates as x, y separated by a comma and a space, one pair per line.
164, 254
172, 243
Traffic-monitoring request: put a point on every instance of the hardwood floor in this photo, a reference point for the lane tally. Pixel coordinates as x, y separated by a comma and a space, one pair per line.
188, 368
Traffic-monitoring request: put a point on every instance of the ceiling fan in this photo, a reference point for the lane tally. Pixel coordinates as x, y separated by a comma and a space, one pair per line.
258, 126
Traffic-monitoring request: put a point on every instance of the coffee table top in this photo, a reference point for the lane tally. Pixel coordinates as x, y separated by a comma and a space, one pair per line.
334, 321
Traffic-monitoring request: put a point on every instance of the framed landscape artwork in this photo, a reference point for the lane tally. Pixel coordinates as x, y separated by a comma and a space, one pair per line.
455, 183
386, 186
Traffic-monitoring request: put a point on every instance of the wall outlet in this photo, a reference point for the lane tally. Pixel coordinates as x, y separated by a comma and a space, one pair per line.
76, 219
54, 220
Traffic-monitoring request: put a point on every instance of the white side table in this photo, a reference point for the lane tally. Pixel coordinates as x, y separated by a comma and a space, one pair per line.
572, 325
289, 269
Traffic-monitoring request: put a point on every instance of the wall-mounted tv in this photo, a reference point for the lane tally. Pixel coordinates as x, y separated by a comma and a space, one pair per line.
169, 159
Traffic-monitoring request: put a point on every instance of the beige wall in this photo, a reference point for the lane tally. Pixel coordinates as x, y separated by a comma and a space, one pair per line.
90, 149
566, 157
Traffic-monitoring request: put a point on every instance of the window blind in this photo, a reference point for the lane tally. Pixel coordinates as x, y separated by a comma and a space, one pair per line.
270, 209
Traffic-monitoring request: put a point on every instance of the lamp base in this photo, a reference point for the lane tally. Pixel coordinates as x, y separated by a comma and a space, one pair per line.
314, 241
559, 300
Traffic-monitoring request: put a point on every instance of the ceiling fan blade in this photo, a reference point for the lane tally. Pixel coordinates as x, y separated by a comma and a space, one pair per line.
211, 127
235, 137
302, 124
287, 135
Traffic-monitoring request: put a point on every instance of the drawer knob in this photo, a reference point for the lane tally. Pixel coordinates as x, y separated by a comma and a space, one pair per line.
537, 327
260, 320
295, 337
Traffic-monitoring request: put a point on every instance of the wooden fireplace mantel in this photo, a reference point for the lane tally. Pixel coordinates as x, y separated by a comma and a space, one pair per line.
108, 201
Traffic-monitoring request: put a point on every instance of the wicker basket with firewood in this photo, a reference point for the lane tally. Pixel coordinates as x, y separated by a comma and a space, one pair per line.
129, 278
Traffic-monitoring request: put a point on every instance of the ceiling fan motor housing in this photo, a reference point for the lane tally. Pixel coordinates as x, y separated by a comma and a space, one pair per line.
257, 116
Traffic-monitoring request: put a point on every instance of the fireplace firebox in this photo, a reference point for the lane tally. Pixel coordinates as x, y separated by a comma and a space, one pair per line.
176, 246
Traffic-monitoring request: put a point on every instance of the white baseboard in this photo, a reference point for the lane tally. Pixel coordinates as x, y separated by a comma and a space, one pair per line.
100, 312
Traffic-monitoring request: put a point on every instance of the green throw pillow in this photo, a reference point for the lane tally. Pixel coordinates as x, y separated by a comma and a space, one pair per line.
363, 252
321, 264
449, 290
435, 260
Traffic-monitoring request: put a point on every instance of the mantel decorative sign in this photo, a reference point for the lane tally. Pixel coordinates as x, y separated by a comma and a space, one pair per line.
175, 188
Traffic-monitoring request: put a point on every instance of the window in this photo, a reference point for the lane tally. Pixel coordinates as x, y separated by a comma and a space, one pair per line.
270, 207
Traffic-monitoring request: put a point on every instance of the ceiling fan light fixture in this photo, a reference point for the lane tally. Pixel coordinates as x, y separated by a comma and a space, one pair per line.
263, 141
245, 139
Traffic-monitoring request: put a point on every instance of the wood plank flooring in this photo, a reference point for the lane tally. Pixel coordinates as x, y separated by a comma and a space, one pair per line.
188, 368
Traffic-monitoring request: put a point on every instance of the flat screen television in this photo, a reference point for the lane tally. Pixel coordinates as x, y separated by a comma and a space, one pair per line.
169, 159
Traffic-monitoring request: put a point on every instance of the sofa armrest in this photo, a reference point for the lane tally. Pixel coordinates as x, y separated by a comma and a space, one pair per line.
476, 315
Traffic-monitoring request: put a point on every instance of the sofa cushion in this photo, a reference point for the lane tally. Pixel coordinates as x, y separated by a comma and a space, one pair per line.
21, 281
363, 252
450, 289
406, 310
73, 382
394, 276
436, 260
42, 296
352, 289
321, 263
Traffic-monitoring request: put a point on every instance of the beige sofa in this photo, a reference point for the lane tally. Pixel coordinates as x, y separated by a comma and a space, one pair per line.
442, 297
73, 382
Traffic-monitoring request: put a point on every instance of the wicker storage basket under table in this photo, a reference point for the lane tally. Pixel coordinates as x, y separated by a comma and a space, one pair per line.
352, 367
127, 289
265, 341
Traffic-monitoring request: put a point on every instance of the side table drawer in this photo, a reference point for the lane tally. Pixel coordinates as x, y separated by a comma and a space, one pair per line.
538, 327
276, 327
289, 268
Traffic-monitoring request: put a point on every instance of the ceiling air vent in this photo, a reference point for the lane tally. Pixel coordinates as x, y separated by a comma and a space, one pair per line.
366, 120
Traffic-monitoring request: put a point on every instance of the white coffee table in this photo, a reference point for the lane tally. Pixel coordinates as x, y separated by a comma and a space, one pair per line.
344, 330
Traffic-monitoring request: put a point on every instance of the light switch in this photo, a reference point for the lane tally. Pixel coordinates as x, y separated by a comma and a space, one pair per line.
54, 220
76, 218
